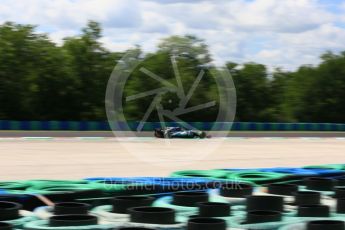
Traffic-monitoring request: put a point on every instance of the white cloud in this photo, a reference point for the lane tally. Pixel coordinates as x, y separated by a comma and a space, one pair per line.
285, 33
274, 15
59, 35
294, 49
327, 36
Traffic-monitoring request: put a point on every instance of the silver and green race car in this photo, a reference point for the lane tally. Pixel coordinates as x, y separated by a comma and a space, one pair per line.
179, 132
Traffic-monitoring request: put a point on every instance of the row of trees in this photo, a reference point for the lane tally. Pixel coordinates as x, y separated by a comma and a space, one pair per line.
40, 80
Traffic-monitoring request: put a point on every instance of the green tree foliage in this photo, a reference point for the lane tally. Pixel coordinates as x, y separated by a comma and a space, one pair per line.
323, 99
191, 57
34, 76
91, 64
252, 87
40, 80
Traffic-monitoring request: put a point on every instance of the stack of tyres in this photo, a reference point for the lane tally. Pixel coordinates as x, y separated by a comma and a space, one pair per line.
53, 190
96, 191
12, 213
68, 222
67, 216
286, 206
201, 210
262, 212
158, 218
111, 187
317, 225
308, 198
117, 212
6, 226
234, 193
27, 192
270, 211
186, 203
63, 208
258, 212
29, 202
204, 223
137, 211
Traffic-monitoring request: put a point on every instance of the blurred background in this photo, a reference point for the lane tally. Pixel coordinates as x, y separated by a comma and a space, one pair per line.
286, 58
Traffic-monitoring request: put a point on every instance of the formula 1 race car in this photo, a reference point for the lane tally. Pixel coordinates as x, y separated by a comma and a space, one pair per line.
179, 132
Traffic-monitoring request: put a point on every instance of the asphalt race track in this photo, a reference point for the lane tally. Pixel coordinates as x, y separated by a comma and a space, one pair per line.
80, 157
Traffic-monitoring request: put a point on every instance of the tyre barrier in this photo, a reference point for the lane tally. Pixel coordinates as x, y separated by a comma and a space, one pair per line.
288, 171
68, 222
249, 176
29, 202
312, 197
12, 214
118, 211
316, 170
56, 190
291, 171
233, 193
13, 185
51, 182
140, 216
202, 223
6, 226
236, 190
209, 174
257, 177
317, 225
153, 185
153, 180
328, 166
326, 170
340, 180
187, 202
63, 208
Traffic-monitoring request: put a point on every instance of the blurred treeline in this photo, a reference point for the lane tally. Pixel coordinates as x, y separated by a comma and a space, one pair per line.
40, 80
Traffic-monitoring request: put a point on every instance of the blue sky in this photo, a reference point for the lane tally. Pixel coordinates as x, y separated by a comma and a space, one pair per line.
278, 33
